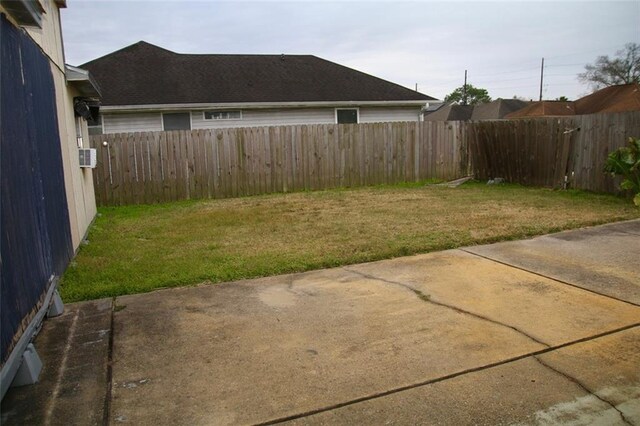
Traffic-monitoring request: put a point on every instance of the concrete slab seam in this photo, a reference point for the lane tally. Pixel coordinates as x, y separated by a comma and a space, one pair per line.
583, 387
108, 393
61, 371
443, 378
427, 299
629, 232
466, 250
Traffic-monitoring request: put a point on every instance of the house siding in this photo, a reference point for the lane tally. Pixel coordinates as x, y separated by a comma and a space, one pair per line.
49, 37
267, 117
78, 182
376, 115
146, 122
121, 123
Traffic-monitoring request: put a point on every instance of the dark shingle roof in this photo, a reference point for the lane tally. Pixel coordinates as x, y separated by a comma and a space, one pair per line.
497, 109
144, 74
450, 112
545, 109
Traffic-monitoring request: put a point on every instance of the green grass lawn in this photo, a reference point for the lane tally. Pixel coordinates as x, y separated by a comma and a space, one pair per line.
136, 249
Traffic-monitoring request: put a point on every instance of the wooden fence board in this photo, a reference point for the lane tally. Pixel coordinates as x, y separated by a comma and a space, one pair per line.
157, 167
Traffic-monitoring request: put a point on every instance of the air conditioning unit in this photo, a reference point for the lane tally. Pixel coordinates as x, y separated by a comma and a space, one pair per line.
88, 157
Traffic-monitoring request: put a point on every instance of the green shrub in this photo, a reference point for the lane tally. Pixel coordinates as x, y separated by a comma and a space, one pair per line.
626, 163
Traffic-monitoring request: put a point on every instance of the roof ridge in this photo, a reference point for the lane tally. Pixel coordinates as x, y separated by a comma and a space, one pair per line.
372, 76
129, 47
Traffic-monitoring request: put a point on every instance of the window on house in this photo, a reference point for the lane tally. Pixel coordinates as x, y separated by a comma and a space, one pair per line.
95, 125
344, 116
176, 121
222, 115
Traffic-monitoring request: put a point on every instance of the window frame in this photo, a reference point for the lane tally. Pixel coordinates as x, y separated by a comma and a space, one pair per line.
347, 108
89, 127
204, 114
178, 112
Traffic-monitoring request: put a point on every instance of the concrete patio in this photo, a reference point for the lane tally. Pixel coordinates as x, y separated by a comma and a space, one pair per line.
542, 331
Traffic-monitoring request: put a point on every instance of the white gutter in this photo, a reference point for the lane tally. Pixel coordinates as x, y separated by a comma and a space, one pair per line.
257, 105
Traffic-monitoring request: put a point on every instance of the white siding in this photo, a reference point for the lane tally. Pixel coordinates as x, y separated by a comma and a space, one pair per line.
143, 122
120, 123
267, 117
382, 114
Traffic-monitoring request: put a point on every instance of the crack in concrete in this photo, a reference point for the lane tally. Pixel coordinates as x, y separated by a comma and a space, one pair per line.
426, 298
108, 394
63, 367
582, 386
466, 250
440, 379
630, 233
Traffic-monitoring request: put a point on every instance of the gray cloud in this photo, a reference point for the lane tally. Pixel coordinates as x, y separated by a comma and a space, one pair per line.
429, 43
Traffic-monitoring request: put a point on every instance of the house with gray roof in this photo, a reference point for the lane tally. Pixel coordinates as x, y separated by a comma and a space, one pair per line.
148, 88
494, 110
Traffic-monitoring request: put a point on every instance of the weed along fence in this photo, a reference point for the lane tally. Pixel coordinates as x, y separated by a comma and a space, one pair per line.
153, 167
543, 151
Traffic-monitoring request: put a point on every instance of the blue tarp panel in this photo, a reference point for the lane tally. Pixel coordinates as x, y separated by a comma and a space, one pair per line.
34, 228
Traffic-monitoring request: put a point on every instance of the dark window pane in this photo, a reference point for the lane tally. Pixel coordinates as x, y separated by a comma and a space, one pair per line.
177, 121
95, 130
347, 116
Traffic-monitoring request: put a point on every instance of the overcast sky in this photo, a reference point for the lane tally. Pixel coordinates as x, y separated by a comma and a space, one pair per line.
429, 43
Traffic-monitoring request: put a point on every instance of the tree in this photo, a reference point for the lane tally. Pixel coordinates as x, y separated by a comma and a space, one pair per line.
474, 96
623, 69
562, 98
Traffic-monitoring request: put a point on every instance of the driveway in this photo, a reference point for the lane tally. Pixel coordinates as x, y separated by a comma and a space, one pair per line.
540, 331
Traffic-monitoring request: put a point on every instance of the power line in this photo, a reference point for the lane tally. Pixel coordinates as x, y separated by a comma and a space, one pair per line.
618, 46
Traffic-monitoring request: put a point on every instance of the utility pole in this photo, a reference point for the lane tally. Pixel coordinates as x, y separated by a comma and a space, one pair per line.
541, 77
416, 87
464, 89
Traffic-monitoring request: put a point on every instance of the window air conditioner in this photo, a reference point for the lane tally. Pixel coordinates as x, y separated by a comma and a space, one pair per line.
87, 157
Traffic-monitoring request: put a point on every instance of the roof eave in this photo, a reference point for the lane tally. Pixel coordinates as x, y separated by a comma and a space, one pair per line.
261, 105
83, 81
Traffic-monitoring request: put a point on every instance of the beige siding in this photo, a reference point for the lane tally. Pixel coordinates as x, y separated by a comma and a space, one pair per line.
78, 181
377, 115
49, 37
119, 123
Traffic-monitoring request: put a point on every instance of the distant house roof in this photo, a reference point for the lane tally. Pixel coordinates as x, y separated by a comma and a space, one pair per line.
625, 97
487, 111
497, 109
450, 112
544, 109
144, 74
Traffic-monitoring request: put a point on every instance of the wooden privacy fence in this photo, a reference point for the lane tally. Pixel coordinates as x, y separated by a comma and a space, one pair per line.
153, 167
543, 151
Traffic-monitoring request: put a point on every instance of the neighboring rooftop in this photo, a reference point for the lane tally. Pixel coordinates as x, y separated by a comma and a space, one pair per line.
624, 97
497, 109
545, 109
144, 74
493, 110
450, 112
